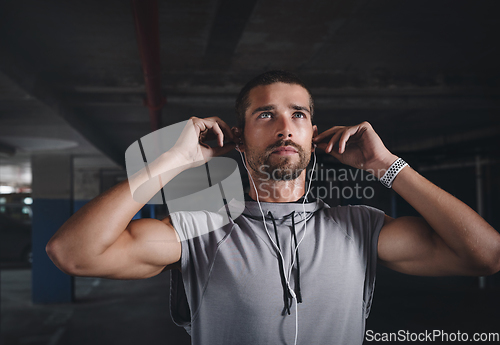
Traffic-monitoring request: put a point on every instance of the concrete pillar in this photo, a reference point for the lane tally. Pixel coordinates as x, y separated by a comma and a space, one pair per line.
87, 185
52, 206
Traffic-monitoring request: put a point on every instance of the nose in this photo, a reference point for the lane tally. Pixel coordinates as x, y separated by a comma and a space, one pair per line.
284, 128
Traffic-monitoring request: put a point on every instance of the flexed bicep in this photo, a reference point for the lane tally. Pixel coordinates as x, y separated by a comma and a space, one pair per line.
409, 245
144, 249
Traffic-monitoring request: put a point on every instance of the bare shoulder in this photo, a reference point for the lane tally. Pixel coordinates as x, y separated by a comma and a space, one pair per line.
176, 265
405, 239
153, 229
159, 241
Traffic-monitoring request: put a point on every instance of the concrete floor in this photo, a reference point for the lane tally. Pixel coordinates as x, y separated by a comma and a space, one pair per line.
136, 312
106, 312
427, 304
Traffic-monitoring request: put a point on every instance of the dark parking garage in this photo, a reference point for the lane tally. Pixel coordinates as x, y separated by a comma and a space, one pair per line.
82, 82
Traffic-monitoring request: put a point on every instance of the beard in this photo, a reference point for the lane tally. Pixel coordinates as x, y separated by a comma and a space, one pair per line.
285, 169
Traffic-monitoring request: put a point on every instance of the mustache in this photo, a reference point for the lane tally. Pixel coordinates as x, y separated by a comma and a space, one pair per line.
285, 143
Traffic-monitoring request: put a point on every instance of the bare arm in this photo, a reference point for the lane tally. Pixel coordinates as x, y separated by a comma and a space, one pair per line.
451, 239
101, 239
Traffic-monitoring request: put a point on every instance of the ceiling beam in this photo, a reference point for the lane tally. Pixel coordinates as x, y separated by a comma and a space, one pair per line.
21, 72
325, 101
228, 25
332, 81
447, 139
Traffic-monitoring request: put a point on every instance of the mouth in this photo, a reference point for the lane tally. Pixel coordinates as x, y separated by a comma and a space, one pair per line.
285, 150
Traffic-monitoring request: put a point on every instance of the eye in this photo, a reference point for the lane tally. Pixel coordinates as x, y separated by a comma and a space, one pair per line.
299, 115
265, 115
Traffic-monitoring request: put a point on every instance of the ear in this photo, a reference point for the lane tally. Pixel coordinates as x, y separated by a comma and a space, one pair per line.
238, 137
315, 131
315, 134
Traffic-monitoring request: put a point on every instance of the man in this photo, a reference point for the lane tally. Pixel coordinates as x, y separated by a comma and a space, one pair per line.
288, 270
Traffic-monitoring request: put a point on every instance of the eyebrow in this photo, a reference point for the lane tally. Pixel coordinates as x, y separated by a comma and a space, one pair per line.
299, 107
272, 107
264, 108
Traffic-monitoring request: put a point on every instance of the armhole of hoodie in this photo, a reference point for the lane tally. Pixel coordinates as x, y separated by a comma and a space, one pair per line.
376, 224
180, 311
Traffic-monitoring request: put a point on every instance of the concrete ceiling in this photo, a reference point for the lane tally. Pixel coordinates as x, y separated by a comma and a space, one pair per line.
424, 73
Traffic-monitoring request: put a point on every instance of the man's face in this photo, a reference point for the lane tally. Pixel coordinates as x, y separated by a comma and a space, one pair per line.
278, 131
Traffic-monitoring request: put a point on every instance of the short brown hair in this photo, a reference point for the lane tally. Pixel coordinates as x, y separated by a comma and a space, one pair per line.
267, 78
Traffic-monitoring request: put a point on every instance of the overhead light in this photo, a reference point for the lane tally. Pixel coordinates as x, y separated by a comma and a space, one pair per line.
9, 144
28, 201
6, 189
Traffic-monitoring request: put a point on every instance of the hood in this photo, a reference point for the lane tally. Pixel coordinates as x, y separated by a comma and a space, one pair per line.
282, 211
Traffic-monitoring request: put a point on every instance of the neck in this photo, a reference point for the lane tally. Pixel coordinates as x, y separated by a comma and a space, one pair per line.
277, 191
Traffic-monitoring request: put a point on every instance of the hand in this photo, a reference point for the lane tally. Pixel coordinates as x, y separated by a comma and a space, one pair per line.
191, 143
358, 146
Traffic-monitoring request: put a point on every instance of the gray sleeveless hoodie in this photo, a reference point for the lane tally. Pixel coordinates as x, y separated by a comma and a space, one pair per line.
231, 287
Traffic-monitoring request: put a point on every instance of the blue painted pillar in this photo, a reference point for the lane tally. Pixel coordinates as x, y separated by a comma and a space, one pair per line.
147, 211
52, 206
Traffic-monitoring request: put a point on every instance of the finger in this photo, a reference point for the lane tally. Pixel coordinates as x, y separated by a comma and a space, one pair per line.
218, 129
322, 146
218, 132
345, 137
334, 153
199, 125
334, 139
217, 151
325, 137
327, 133
225, 128
209, 129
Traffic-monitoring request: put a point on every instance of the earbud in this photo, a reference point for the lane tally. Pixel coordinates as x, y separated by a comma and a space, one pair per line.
314, 145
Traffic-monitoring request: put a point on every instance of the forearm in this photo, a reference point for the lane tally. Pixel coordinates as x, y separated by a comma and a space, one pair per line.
467, 234
98, 224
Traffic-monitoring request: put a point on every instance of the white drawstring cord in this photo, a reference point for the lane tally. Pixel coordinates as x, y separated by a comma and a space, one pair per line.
292, 293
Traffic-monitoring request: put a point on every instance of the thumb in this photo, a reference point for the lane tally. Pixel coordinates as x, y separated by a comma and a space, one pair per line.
218, 151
